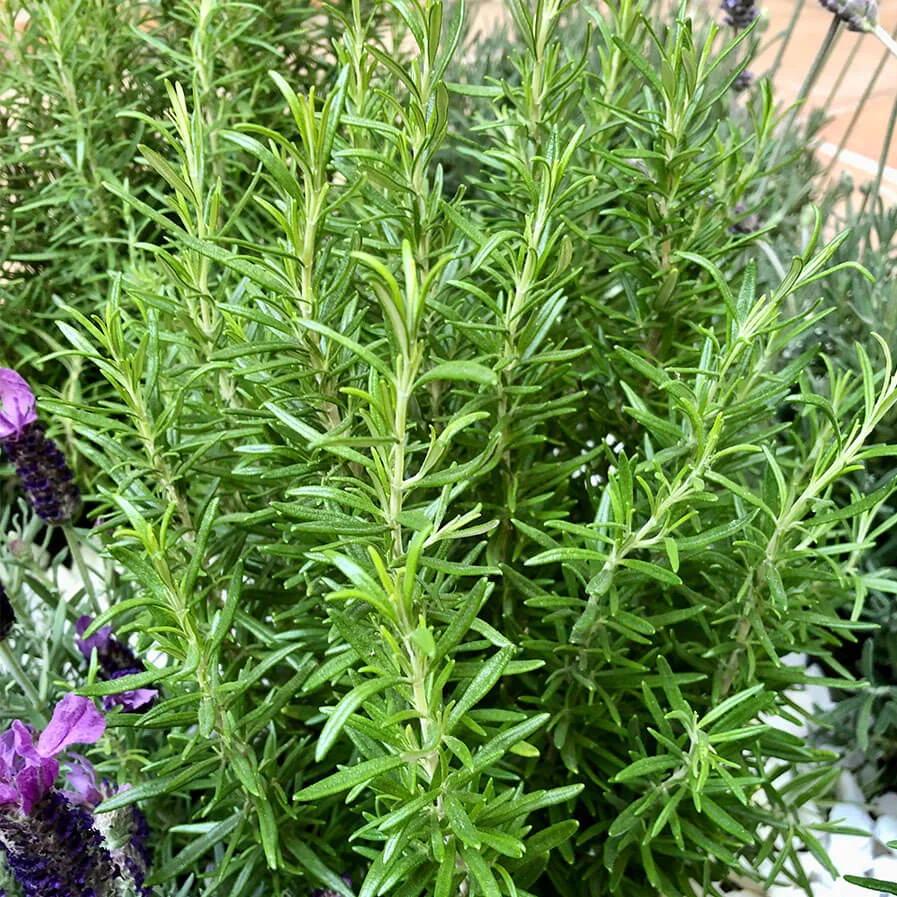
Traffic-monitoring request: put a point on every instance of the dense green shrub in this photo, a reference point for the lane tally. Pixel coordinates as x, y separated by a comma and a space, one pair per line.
463, 486
79, 81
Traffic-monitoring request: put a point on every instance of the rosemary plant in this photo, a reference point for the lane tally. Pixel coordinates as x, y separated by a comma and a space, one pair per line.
461, 479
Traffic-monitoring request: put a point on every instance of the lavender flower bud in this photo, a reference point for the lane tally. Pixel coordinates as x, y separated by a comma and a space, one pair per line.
743, 81
739, 13
857, 15
7, 614
746, 224
44, 473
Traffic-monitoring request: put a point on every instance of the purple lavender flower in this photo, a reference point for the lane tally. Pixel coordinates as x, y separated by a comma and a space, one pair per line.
7, 616
115, 661
75, 721
54, 845
135, 700
51, 847
857, 15
99, 640
82, 779
739, 13
28, 767
40, 465
744, 224
743, 81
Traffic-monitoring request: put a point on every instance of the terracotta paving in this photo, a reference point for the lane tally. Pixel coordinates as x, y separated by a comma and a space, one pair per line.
864, 53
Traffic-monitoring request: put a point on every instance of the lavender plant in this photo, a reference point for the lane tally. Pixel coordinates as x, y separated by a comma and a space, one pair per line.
463, 530
864, 718
52, 842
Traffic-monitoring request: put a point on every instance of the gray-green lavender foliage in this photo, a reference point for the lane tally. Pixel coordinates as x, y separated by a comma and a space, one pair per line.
866, 718
462, 483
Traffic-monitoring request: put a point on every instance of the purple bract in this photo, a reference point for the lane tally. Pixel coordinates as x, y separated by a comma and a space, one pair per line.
28, 766
99, 640
17, 408
82, 779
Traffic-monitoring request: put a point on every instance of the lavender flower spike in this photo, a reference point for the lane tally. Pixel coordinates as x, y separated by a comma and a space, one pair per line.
739, 13
56, 851
125, 831
857, 15
54, 845
39, 464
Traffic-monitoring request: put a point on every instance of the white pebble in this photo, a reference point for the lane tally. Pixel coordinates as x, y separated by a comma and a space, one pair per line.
785, 891
816, 872
746, 884
886, 829
848, 789
798, 728
851, 814
885, 804
851, 855
818, 695
810, 814
885, 868
836, 889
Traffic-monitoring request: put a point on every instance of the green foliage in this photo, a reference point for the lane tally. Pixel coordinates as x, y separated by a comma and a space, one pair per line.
83, 83
872, 884
866, 718
464, 476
